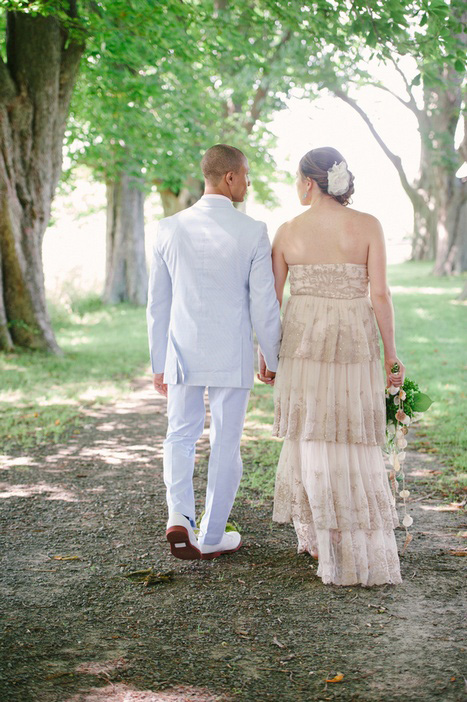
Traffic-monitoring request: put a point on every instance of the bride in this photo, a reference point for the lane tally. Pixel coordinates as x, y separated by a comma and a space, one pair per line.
329, 389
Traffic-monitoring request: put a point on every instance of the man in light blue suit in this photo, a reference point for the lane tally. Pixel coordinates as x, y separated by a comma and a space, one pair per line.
211, 282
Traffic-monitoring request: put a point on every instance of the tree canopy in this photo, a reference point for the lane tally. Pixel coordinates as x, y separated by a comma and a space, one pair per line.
160, 81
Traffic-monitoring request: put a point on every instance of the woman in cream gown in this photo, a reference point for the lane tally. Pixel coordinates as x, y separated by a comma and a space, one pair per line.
329, 389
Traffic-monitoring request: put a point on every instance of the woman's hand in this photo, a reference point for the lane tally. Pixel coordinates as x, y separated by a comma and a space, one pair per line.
265, 375
395, 377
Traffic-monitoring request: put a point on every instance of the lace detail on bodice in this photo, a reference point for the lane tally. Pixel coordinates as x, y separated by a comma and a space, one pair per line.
338, 280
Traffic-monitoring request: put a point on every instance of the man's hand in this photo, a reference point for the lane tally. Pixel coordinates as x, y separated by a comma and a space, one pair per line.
159, 385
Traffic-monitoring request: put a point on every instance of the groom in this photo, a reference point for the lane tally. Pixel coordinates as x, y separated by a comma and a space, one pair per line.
211, 280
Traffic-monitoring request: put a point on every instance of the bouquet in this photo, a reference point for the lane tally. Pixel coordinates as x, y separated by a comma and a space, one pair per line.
404, 405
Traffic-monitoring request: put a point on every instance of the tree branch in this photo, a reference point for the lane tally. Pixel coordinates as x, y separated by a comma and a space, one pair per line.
409, 104
395, 160
263, 87
408, 87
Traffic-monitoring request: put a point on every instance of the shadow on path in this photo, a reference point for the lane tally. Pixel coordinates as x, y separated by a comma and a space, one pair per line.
77, 518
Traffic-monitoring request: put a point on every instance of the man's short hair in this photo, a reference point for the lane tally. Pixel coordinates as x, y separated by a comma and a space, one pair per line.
219, 160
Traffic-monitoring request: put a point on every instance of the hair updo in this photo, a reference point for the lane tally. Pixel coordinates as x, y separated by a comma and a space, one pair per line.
316, 164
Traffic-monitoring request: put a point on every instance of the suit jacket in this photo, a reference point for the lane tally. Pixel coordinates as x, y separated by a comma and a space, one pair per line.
211, 280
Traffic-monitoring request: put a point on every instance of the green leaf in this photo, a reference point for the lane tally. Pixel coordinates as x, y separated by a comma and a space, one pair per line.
421, 402
459, 65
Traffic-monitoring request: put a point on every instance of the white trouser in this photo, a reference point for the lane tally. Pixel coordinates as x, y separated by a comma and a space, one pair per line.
186, 415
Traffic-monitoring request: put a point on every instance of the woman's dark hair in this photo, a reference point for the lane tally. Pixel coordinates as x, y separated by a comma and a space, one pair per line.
316, 164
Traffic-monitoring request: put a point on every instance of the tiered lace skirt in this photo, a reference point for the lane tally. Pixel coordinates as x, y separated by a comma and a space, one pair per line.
329, 407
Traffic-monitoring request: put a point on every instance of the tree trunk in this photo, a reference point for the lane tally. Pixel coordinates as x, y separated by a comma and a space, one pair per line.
126, 277
451, 254
463, 294
444, 192
173, 202
425, 232
36, 84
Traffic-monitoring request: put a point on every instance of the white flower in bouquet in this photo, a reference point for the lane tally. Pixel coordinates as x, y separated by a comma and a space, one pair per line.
407, 521
402, 442
338, 179
392, 390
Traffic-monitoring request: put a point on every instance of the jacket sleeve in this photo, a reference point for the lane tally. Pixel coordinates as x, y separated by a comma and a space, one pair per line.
264, 306
158, 308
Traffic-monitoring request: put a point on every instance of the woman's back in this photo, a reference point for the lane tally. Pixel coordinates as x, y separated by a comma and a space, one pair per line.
328, 233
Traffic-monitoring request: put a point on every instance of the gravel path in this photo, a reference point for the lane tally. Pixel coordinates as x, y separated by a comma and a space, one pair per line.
258, 626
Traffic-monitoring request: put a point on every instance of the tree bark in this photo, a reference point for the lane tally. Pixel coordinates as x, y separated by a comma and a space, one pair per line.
463, 294
126, 277
36, 83
173, 202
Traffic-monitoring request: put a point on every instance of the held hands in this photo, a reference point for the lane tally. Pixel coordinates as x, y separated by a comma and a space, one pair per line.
159, 385
394, 377
266, 376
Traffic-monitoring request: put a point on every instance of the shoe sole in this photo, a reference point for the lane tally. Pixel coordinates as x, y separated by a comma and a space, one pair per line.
216, 554
180, 544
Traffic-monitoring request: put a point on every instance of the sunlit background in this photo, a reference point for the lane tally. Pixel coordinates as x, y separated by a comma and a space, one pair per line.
78, 225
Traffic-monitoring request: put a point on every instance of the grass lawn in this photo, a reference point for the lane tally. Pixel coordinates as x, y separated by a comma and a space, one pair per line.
41, 396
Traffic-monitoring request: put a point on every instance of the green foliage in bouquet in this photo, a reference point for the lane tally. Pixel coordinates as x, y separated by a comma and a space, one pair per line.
413, 403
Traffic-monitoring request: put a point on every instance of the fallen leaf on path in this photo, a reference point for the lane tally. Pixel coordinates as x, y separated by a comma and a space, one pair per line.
459, 552
149, 577
66, 558
278, 643
337, 678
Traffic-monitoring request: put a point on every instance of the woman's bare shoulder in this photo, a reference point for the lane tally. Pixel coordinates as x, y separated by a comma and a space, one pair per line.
285, 231
365, 223
289, 227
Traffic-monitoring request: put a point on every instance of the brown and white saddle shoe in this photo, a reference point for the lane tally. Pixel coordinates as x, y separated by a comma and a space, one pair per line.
182, 538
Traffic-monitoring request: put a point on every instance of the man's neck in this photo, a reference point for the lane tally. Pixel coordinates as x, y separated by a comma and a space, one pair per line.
212, 190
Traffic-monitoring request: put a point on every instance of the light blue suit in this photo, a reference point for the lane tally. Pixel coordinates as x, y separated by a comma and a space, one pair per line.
211, 281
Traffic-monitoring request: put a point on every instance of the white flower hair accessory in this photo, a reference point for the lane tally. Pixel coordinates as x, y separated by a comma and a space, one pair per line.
338, 179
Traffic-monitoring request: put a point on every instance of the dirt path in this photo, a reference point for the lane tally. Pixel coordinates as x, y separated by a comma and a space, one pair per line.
255, 627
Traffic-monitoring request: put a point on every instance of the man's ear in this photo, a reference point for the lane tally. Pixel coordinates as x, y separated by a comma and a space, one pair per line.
229, 176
